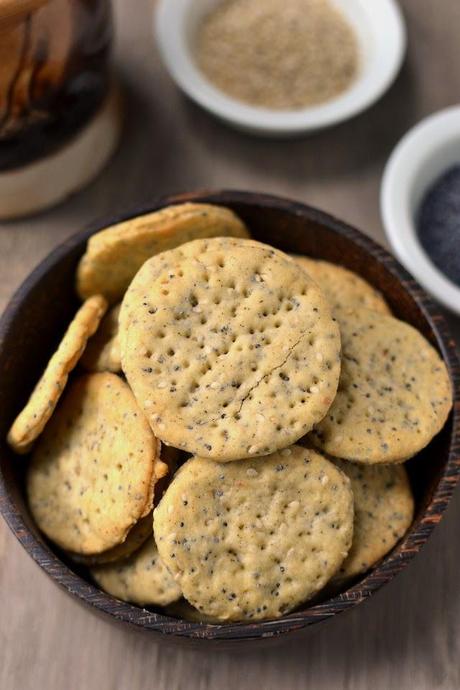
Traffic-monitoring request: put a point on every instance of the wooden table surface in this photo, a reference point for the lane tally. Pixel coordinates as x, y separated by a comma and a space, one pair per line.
408, 635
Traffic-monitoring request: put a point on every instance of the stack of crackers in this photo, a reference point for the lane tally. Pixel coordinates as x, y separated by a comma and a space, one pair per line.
233, 435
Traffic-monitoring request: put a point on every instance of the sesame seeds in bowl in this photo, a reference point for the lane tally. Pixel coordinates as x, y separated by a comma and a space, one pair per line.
357, 82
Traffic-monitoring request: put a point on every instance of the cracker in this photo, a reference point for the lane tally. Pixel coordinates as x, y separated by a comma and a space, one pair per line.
92, 472
229, 347
141, 579
254, 539
31, 421
114, 255
136, 536
384, 510
343, 288
394, 393
102, 352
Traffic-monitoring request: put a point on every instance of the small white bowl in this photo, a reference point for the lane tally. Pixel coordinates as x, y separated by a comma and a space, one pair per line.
428, 150
381, 33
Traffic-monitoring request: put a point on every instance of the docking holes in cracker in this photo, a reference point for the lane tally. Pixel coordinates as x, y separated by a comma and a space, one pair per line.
229, 347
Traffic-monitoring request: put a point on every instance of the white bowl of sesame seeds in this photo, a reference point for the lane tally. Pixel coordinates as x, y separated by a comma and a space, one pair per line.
381, 42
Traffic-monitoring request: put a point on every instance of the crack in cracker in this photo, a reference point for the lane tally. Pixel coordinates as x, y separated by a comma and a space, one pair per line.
269, 373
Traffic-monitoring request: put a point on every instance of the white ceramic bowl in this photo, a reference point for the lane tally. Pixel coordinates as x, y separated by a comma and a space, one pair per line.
428, 150
382, 38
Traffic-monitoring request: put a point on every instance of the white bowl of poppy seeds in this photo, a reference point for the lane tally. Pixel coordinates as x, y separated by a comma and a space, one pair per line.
420, 204
281, 67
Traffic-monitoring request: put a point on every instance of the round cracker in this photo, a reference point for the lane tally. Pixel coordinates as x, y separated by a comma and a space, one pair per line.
91, 474
102, 352
384, 510
254, 539
31, 421
343, 288
141, 579
114, 255
229, 347
394, 393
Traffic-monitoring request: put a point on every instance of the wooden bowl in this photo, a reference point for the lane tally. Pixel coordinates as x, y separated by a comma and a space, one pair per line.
42, 307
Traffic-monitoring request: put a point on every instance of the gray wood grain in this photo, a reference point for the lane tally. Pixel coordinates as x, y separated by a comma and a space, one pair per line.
408, 635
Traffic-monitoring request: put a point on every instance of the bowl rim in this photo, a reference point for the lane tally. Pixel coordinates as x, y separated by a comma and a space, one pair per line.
394, 562
168, 20
419, 145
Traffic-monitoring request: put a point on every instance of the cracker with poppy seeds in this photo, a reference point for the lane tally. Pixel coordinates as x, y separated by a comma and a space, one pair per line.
115, 254
384, 510
229, 347
140, 579
92, 472
137, 535
143, 529
394, 392
31, 421
343, 288
254, 539
102, 352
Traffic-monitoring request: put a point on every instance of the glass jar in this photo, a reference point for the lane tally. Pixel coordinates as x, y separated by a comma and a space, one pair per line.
54, 73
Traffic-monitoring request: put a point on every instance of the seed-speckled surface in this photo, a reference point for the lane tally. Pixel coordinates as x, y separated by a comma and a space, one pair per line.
102, 352
31, 421
91, 474
140, 579
394, 393
229, 347
254, 539
343, 288
384, 509
136, 536
114, 255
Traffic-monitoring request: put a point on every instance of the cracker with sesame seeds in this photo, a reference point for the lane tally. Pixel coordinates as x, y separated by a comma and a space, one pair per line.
102, 352
384, 509
343, 288
137, 535
229, 347
254, 539
92, 472
115, 254
31, 421
141, 579
394, 392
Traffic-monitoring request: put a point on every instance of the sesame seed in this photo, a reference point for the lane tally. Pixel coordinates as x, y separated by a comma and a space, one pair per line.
251, 472
285, 452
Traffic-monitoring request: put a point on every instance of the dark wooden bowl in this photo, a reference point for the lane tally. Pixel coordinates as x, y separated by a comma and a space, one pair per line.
40, 310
